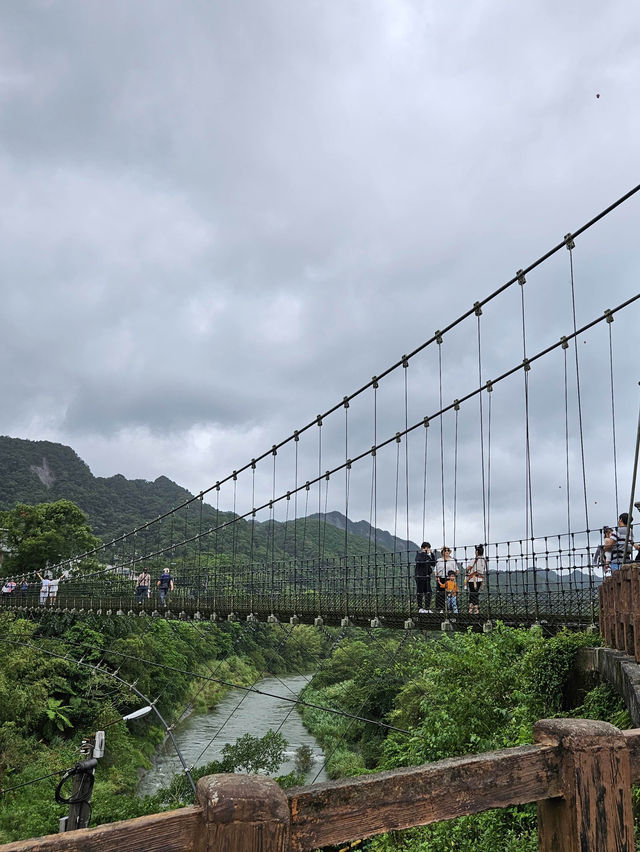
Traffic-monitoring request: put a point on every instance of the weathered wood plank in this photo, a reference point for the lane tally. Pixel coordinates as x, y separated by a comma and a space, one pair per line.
595, 812
182, 830
337, 812
244, 813
632, 739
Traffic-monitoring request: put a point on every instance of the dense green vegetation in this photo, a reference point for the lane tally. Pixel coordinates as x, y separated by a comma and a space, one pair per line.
460, 694
48, 533
454, 694
49, 701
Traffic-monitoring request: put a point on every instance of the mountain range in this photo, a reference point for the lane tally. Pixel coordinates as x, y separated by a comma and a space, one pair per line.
36, 472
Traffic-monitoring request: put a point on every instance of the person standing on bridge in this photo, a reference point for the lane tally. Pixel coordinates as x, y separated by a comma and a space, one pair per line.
425, 563
475, 578
445, 564
143, 585
618, 553
44, 589
165, 585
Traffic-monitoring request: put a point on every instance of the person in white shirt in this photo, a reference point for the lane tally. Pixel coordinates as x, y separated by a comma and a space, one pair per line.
44, 589
445, 564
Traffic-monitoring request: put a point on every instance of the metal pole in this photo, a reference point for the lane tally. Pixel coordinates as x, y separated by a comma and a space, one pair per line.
633, 488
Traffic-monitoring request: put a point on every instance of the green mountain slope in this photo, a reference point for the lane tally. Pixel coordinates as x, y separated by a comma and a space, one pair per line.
36, 472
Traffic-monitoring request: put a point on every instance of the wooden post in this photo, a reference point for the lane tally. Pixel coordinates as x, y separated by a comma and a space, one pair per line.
243, 813
594, 814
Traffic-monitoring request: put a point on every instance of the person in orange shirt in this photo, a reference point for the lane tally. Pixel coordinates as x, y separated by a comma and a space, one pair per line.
451, 588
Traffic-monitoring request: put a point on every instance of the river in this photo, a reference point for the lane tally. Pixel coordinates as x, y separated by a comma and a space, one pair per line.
255, 715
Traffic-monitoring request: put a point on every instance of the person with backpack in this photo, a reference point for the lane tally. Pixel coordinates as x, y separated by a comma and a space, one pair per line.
425, 562
165, 585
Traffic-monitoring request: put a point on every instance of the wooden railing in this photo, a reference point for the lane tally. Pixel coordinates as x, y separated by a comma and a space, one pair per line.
619, 601
579, 772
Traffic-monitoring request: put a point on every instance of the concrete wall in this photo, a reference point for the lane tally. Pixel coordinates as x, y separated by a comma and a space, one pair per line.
618, 670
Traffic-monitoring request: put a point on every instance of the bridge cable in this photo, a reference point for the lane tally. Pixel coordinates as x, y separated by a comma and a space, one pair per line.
460, 319
439, 413
439, 342
253, 531
216, 562
424, 482
373, 506
295, 507
613, 415
271, 531
455, 475
528, 483
347, 471
570, 246
321, 561
405, 365
481, 411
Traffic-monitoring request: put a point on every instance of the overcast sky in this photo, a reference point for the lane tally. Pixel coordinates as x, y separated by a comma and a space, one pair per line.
218, 219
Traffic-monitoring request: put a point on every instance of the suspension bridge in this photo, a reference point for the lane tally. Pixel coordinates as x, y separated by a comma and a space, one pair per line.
513, 445
474, 436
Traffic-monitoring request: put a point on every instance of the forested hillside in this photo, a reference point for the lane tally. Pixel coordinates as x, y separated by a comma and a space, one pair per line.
37, 472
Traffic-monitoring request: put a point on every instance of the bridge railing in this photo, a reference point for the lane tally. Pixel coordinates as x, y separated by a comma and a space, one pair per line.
619, 599
550, 578
578, 771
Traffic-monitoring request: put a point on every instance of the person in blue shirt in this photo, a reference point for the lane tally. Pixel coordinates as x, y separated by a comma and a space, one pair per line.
165, 585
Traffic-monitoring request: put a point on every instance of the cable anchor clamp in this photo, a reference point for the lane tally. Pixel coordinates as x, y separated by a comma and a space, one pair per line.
568, 241
489, 386
565, 342
526, 364
374, 382
296, 435
234, 475
373, 450
608, 315
274, 450
319, 419
398, 437
349, 463
253, 464
345, 401
307, 485
456, 405
438, 337
520, 276
327, 475
405, 361
477, 309
425, 422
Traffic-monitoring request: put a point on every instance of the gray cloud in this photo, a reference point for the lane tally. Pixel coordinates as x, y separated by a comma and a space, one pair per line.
219, 220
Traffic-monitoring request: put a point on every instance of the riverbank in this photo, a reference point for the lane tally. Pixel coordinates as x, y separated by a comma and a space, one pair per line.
201, 737
58, 683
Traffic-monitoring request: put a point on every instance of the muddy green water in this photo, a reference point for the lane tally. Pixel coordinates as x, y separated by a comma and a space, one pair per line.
201, 738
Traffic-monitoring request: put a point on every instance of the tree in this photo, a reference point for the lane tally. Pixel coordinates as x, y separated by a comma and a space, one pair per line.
47, 533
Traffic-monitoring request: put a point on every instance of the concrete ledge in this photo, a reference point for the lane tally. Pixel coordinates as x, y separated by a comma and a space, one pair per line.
619, 671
